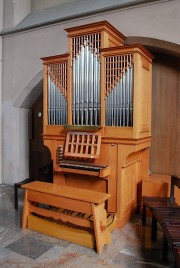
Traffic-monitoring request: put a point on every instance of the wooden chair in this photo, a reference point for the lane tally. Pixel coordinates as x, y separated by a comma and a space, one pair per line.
164, 215
176, 252
171, 237
17, 186
45, 174
153, 202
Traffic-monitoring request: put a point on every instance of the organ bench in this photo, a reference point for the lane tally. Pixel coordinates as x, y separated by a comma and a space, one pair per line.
55, 198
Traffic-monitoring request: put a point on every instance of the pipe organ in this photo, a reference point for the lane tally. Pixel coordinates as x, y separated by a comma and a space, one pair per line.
97, 116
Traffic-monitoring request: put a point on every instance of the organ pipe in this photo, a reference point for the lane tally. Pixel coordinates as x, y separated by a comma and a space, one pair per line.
86, 83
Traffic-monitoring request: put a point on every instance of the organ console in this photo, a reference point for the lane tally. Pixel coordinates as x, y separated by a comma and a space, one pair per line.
97, 116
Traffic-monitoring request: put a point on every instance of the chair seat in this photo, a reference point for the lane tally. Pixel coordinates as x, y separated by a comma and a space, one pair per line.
171, 237
164, 215
156, 202
167, 215
152, 202
172, 233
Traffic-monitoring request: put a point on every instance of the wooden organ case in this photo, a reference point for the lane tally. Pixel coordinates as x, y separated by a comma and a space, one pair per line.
97, 115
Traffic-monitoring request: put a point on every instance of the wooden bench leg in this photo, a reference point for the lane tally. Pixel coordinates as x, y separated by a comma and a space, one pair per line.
165, 249
154, 229
102, 235
144, 215
26, 211
15, 196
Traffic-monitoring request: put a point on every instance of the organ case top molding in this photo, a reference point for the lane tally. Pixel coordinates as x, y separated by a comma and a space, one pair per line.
110, 35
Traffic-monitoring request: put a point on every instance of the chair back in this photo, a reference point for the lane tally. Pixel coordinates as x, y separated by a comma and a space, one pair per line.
175, 181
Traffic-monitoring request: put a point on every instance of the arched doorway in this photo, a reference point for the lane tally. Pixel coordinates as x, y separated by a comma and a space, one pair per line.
40, 163
38, 155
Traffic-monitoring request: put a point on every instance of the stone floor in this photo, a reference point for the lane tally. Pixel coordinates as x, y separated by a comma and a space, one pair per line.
131, 246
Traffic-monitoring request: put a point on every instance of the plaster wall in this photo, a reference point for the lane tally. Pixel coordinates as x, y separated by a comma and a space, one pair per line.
42, 4
15, 11
22, 68
8, 14
21, 10
1, 26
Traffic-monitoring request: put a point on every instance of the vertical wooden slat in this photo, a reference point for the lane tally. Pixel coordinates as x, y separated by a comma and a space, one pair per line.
177, 148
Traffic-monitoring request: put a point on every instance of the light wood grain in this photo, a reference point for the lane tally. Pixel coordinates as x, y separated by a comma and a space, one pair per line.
60, 196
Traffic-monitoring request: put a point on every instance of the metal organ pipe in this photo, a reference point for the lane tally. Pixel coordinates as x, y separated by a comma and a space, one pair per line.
86, 86
119, 84
49, 100
57, 103
86, 81
90, 88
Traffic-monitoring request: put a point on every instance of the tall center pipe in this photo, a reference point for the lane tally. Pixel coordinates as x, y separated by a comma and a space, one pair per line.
86, 82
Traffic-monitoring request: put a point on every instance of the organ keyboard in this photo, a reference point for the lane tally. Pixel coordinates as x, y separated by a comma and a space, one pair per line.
81, 166
101, 171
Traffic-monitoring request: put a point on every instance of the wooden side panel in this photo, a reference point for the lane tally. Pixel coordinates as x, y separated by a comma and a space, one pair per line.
128, 192
146, 99
142, 97
112, 182
177, 148
130, 186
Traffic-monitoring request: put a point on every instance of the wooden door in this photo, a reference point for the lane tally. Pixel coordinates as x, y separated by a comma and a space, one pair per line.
165, 149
